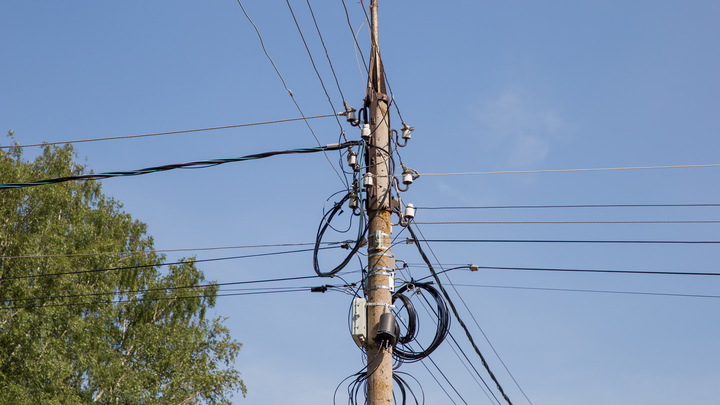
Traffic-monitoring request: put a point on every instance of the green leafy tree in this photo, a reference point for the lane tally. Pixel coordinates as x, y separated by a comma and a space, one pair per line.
79, 325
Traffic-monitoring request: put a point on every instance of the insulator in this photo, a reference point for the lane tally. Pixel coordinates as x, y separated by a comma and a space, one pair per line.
369, 180
350, 115
407, 177
352, 160
366, 131
353, 202
409, 212
407, 131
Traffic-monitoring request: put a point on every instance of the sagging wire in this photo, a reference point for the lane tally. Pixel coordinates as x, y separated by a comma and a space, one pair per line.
196, 164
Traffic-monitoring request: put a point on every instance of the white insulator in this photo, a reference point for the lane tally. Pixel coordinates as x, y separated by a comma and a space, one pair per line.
352, 160
407, 132
366, 131
407, 178
409, 212
369, 180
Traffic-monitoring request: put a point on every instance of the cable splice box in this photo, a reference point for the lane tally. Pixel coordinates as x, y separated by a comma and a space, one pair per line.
358, 321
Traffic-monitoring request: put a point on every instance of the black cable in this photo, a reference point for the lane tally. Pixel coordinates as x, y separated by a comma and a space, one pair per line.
570, 241
569, 206
202, 163
447, 380
402, 350
352, 32
452, 338
591, 291
327, 218
152, 299
166, 264
313, 61
146, 290
327, 55
457, 316
184, 131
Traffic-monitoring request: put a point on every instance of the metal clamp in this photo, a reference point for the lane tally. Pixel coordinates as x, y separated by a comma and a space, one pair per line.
383, 287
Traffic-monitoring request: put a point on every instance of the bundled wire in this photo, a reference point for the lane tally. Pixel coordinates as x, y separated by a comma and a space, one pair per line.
403, 350
336, 210
457, 316
197, 164
327, 218
403, 395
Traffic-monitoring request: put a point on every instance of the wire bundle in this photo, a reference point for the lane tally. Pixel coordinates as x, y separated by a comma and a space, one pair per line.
404, 396
403, 351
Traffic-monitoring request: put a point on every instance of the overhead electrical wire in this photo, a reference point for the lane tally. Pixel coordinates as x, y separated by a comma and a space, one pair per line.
162, 264
344, 181
474, 319
649, 272
142, 299
357, 45
327, 55
457, 316
163, 250
591, 291
312, 60
563, 222
487, 392
567, 206
166, 133
691, 242
572, 170
197, 164
146, 290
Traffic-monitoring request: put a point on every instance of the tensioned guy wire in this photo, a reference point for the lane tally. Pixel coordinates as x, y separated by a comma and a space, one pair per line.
184, 131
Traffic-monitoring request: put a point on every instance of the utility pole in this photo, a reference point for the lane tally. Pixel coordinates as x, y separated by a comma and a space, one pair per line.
380, 260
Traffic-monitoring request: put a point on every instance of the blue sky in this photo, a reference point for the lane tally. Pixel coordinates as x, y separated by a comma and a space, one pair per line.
489, 86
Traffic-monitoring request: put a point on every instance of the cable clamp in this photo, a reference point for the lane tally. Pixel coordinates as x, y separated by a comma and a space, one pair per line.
381, 287
381, 254
389, 272
379, 304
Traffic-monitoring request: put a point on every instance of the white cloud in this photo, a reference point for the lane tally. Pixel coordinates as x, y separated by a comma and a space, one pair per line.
521, 125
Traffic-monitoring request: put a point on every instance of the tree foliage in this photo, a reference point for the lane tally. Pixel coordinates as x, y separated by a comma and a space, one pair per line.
78, 325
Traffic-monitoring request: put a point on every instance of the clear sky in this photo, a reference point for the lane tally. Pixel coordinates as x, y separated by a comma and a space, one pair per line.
489, 86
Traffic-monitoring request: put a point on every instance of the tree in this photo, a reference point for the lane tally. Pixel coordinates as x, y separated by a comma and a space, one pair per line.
79, 325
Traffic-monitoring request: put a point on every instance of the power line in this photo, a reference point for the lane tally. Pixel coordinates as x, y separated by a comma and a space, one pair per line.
571, 170
590, 291
327, 55
166, 133
286, 290
164, 250
146, 290
473, 318
650, 272
313, 60
344, 181
163, 264
570, 241
568, 206
457, 316
563, 222
197, 164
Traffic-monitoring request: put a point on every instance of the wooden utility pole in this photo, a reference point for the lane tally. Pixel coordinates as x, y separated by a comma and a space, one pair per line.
380, 260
